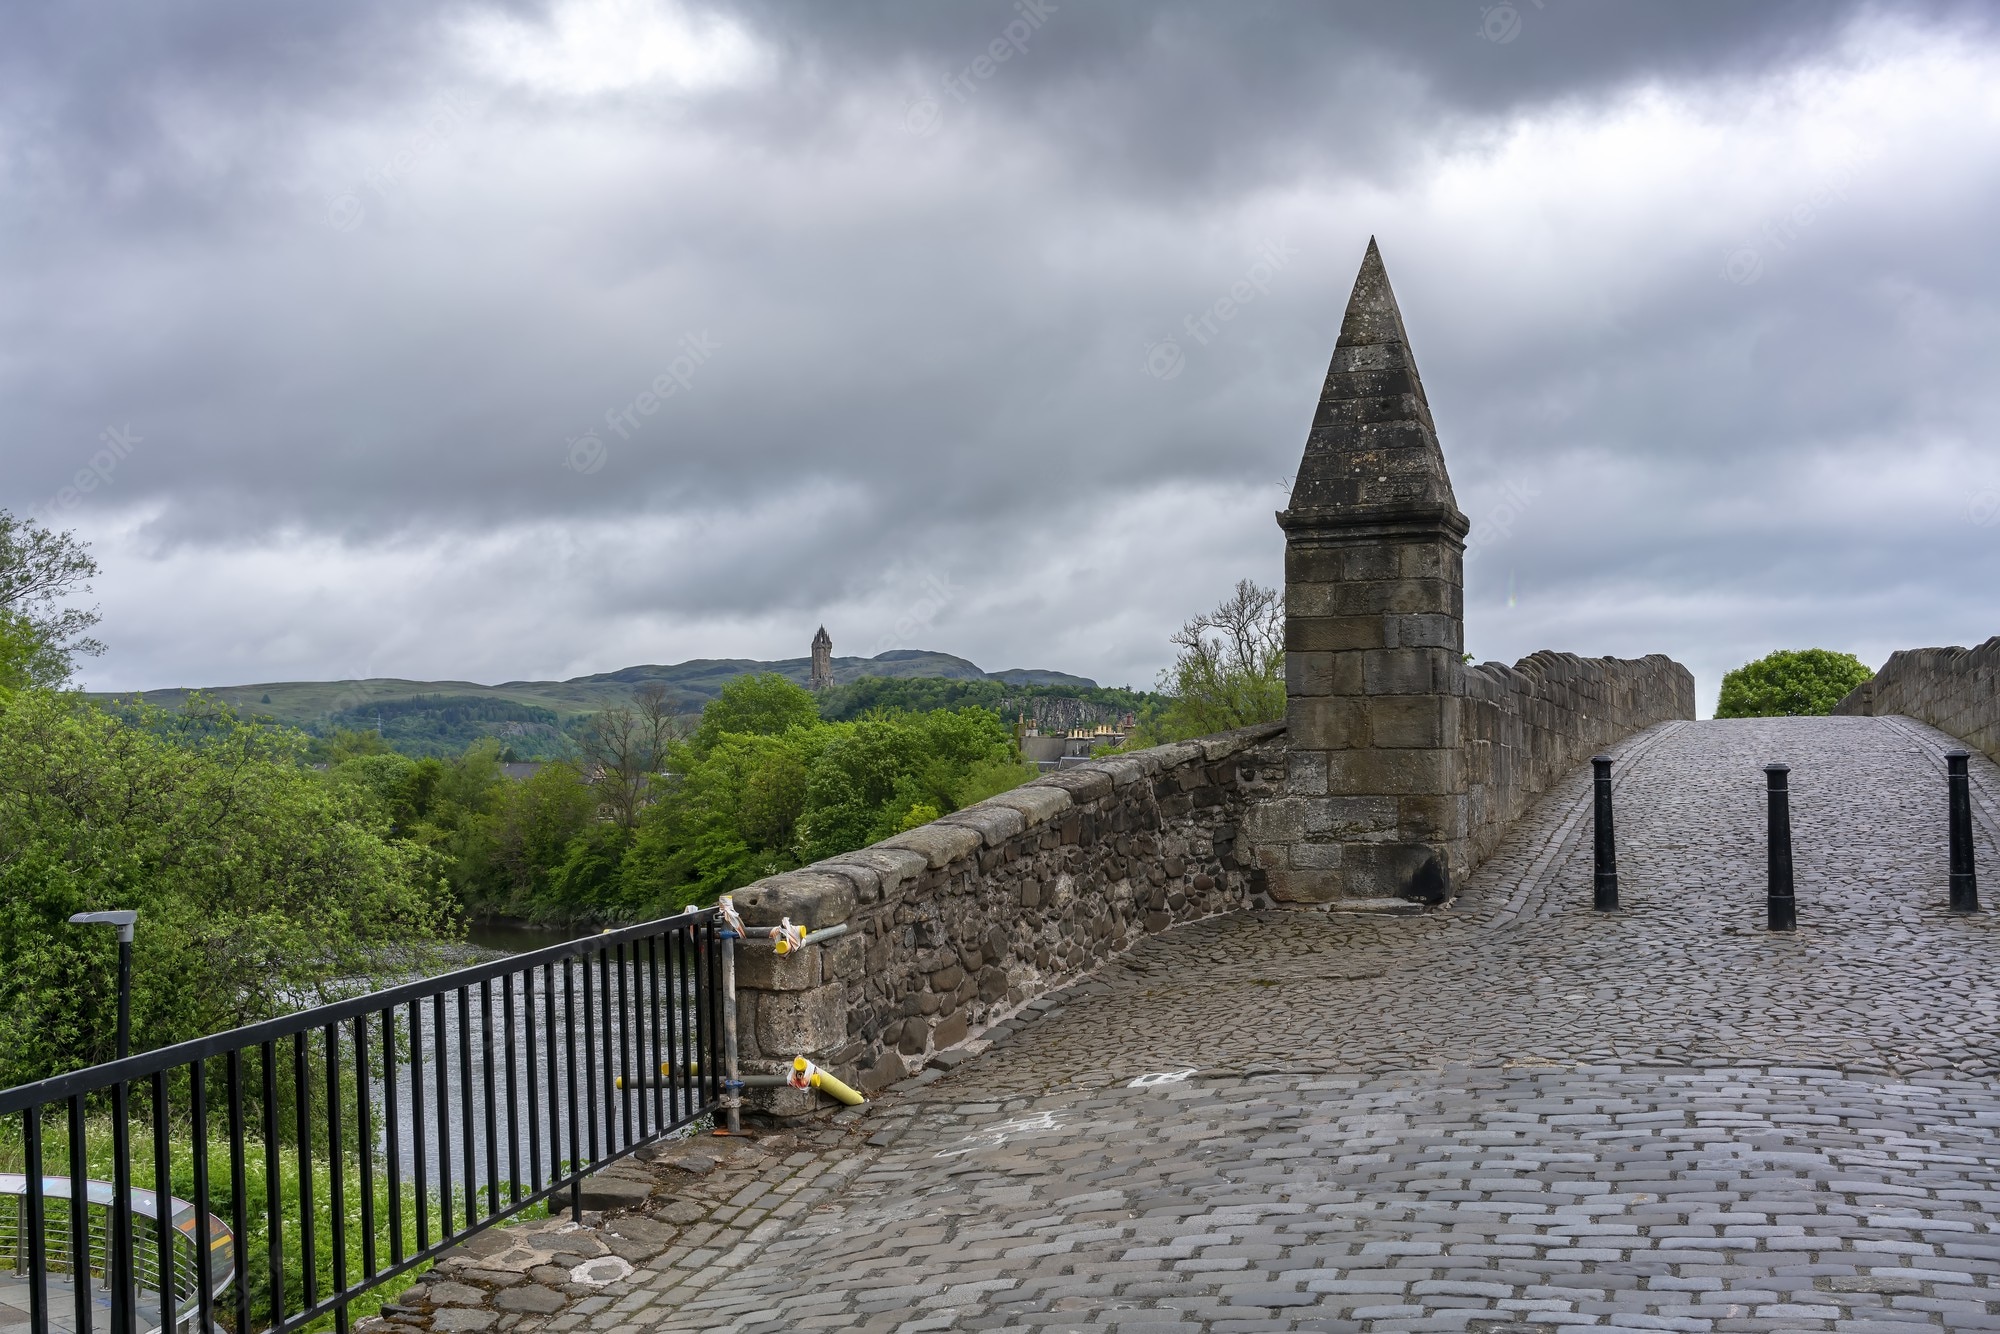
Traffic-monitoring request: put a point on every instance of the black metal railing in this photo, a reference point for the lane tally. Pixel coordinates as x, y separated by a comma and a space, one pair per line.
343, 1145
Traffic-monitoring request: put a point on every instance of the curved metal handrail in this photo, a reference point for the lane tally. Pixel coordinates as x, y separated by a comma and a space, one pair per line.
183, 1219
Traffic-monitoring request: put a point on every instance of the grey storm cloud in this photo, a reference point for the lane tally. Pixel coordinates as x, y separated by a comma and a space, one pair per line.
490, 341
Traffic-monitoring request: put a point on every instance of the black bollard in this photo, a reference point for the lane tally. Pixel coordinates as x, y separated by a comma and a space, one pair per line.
1964, 882
1781, 908
1607, 847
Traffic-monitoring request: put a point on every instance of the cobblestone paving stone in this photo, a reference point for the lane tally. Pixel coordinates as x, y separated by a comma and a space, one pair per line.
1511, 1115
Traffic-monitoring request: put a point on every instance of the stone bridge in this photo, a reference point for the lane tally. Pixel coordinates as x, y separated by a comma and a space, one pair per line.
1126, 1076
1512, 1114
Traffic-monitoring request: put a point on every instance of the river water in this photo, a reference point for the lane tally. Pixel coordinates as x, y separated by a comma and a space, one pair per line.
561, 1028
500, 936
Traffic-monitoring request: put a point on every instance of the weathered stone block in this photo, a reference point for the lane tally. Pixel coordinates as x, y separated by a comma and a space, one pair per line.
886, 1070
813, 898
1391, 772
1277, 822
1083, 783
1318, 856
794, 1023
785, 1102
604, 1190
866, 879
1334, 634
1351, 817
1287, 885
1402, 597
1233, 749
1404, 671
995, 822
762, 968
1122, 771
950, 1030
1305, 773
893, 867
1427, 630
938, 844
1432, 819
1440, 559
1322, 723
1414, 722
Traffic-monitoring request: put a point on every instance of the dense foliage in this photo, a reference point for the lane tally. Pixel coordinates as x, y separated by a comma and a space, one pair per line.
653, 817
1790, 682
260, 885
764, 785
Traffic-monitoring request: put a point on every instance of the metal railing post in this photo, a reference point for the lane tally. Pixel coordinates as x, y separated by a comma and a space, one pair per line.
1781, 908
1606, 879
1964, 879
732, 1089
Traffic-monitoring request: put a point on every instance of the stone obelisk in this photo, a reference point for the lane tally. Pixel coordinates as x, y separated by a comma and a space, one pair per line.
1375, 805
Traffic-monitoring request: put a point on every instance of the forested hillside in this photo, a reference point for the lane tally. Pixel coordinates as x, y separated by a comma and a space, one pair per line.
541, 720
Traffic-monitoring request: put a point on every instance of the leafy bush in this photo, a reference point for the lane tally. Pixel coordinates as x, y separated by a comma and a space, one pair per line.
1790, 683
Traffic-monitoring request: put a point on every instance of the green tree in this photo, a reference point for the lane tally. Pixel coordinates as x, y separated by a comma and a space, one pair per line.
447, 806
866, 782
730, 816
534, 823
40, 570
23, 659
761, 705
586, 884
261, 885
625, 748
1790, 683
1229, 672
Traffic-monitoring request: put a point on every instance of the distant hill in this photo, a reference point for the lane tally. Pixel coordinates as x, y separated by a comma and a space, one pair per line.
443, 717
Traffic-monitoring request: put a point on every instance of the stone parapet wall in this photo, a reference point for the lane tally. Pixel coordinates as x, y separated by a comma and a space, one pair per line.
957, 924
1527, 725
1494, 739
1951, 689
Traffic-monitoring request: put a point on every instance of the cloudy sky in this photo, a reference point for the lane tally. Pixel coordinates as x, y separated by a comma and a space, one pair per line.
520, 340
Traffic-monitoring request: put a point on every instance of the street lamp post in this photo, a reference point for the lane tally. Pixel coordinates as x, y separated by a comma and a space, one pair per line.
123, 919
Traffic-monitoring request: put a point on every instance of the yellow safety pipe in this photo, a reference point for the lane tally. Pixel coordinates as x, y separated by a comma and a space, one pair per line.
805, 1073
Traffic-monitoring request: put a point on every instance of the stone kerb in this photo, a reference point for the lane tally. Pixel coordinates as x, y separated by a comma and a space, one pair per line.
958, 923
1951, 689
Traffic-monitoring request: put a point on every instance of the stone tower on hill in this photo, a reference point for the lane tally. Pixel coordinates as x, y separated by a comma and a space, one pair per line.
1374, 629
822, 660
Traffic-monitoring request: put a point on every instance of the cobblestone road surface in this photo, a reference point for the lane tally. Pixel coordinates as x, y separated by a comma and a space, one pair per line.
1511, 1115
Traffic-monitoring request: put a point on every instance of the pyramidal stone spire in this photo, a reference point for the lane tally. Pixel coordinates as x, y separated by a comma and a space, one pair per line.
1373, 449
1376, 786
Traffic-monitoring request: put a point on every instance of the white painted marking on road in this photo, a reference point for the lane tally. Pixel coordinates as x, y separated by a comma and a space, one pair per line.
1156, 1078
995, 1136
